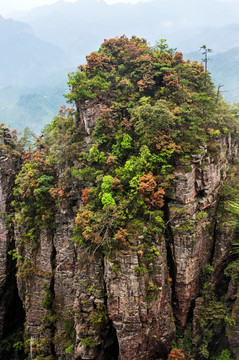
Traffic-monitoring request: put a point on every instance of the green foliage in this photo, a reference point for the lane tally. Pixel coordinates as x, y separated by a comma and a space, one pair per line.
149, 118
201, 215
34, 206
126, 142
233, 208
116, 268
26, 270
107, 199
78, 236
34, 203
12, 345
232, 270
70, 349
14, 254
48, 298
184, 342
106, 194
186, 225
87, 341
18, 345
96, 155
84, 87
213, 314
225, 355
99, 317
69, 329
205, 274
162, 47
151, 253
140, 270
7, 219
151, 291
28, 139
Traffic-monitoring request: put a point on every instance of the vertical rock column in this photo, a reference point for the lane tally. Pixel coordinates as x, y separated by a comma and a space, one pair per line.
9, 164
34, 278
64, 292
139, 302
191, 211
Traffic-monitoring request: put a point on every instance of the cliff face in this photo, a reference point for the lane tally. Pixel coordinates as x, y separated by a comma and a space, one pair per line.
90, 305
192, 222
140, 305
123, 237
101, 306
11, 311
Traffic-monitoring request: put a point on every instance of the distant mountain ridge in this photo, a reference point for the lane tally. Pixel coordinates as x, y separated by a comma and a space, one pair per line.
25, 59
219, 38
33, 108
81, 26
32, 73
224, 68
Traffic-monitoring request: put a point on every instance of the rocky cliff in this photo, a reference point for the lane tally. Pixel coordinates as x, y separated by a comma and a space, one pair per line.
99, 306
122, 230
11, 309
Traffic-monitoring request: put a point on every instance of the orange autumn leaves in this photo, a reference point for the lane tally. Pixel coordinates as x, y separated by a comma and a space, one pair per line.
121, 237
86, 192
150, 191
176, 354
59, 191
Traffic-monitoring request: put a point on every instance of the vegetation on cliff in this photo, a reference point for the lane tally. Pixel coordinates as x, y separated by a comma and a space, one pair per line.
156, 111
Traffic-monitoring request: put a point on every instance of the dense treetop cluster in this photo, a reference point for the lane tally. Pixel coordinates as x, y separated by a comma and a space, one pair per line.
156, 111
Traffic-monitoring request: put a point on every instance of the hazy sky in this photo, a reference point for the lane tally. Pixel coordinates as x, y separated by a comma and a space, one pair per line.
8, 6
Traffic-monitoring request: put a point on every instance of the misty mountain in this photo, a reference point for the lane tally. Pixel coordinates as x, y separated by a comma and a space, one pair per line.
224, 69
32, 107
33, 77
25, 59
220, 39
82, 26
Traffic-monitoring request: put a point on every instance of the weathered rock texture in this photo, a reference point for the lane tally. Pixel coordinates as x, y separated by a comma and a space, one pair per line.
140, 305
35, 276
89, 111
192, 207
9, 302
88, 306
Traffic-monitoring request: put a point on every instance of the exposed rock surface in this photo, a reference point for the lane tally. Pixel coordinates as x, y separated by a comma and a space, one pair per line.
88, 306
34, 286
140, 305
9, 165
89, 111
191, 220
